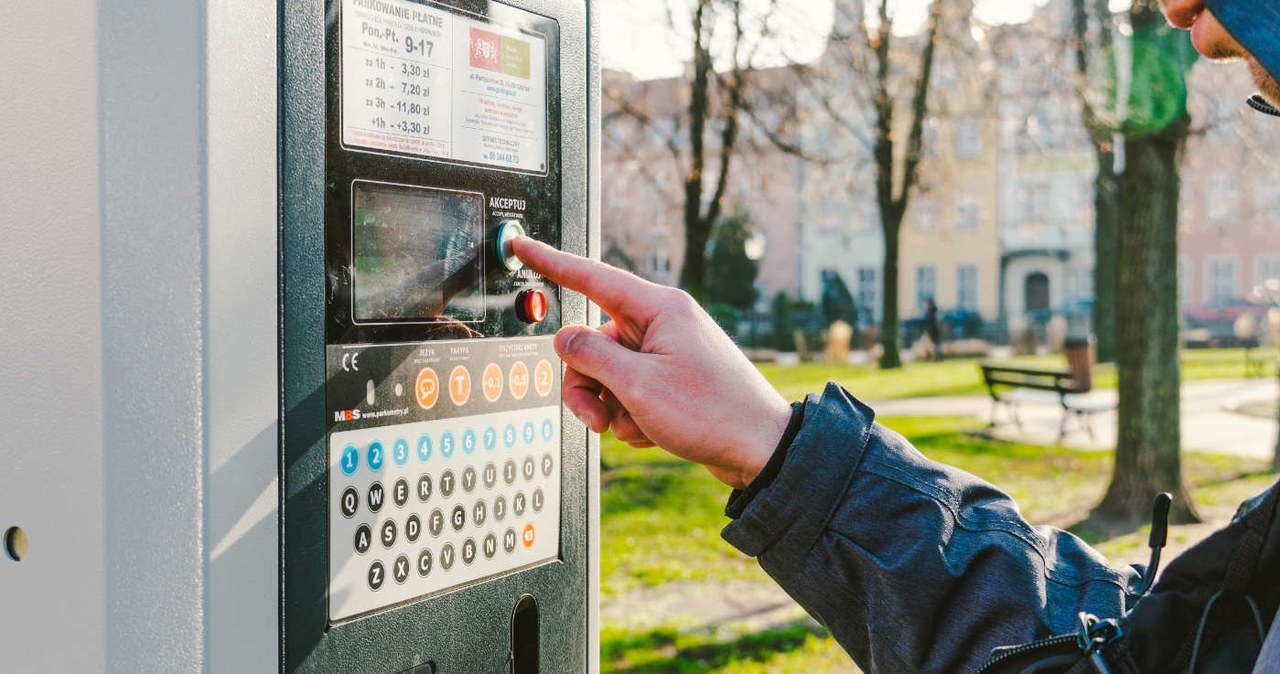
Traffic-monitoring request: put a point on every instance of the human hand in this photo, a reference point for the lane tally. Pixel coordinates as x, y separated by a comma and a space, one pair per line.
662, 372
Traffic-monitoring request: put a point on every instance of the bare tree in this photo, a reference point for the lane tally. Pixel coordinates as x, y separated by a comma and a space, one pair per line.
724, 108
898, 120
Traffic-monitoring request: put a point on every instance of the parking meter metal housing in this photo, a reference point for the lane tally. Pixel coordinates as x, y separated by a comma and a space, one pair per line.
461, 575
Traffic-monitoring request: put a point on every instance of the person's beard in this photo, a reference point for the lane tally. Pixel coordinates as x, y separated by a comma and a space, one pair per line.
1267, 84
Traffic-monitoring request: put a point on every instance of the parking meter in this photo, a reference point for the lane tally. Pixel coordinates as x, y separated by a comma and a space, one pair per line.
278, 395
435, 514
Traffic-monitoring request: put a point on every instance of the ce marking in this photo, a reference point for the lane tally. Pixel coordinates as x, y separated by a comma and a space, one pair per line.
350, 361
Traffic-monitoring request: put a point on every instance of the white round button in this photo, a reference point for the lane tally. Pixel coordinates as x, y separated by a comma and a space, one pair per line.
508, 231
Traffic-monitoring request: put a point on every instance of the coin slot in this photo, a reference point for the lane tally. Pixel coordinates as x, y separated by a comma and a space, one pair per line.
15, 543
524, 636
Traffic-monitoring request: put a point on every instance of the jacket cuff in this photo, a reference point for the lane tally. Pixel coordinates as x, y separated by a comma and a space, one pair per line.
815, 474
739, 499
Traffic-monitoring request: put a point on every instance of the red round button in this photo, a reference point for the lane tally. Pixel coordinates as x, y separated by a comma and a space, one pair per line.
531, 306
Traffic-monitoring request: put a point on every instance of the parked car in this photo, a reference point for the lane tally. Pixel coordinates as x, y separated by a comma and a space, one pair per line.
1217, 323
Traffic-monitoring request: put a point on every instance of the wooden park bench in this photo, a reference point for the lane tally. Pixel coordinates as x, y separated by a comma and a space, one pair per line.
1011, 385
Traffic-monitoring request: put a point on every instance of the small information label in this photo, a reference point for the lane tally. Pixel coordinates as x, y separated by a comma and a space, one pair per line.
426, 82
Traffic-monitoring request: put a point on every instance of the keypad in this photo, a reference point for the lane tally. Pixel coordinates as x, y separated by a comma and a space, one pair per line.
424, 507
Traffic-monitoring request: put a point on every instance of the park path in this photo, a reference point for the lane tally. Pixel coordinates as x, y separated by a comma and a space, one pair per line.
1227, 416
1236, 416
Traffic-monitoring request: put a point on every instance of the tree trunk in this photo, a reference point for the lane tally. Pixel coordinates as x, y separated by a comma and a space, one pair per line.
1106, 261
1148, 448
891, 358
693, 274
1275, 462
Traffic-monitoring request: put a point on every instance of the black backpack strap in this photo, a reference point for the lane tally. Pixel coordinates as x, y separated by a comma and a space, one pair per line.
1209, 592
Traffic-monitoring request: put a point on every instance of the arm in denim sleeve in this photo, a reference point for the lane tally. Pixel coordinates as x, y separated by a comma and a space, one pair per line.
914, 566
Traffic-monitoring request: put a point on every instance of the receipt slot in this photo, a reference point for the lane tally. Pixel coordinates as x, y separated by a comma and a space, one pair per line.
436, 513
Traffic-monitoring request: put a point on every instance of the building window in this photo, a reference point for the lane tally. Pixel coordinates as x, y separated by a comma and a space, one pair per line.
968, 214
1265, 268
968, 138
926, 285
967, 287
868, 290
1221, 199
926, 215
1220, 280
1034, 198
659, 265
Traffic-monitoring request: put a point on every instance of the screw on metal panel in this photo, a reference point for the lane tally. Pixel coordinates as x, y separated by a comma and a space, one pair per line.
15, 543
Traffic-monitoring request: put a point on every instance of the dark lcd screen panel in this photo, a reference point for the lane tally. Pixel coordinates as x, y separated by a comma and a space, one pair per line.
418, 254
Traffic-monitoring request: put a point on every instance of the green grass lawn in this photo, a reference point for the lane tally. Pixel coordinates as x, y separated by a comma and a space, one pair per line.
961, 377
661, 516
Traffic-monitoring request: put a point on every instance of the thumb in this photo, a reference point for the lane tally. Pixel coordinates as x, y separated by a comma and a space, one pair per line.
596, 355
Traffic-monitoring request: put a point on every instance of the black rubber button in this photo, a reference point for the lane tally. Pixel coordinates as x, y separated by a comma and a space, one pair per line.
490, 546
490, 476
376, 496
424, 562
350, 502
400, 494
388, 533
424, 488
401, 569
377, 576
364, 538
469, 551
446, 556
413, 528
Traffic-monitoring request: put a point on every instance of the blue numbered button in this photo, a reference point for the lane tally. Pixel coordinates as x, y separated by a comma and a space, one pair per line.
400, 451
424, 448
350, 460
375, 456
548, 430
469, 441
509, 436
447, 445
490, 439
529, 433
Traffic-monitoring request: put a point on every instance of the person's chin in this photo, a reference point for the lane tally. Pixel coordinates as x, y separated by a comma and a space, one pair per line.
1267, 84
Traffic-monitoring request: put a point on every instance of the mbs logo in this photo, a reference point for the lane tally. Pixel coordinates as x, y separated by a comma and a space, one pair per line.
499, 54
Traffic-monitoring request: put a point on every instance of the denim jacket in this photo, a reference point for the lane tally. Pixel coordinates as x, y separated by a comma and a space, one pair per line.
912, 565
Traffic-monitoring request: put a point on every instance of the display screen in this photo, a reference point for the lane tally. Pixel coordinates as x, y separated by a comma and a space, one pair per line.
427, 82
417, 254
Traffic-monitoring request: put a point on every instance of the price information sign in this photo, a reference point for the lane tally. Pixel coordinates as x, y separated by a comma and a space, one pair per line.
426, 82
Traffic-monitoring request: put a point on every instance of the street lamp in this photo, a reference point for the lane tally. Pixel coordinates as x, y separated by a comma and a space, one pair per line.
754, 248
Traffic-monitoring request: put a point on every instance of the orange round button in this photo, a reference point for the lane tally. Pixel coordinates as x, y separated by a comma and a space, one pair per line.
459, 385
491, 382
528, 536
543, 377
519, 377
427, 388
